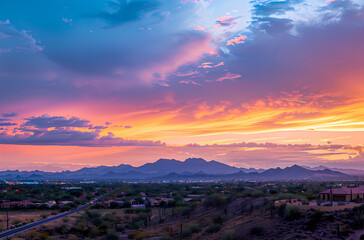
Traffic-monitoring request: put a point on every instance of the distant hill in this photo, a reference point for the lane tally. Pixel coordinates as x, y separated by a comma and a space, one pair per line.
171, 169
290, 173
349, 171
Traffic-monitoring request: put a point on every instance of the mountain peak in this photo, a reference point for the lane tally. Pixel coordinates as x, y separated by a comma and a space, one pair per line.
296, 166
195, 160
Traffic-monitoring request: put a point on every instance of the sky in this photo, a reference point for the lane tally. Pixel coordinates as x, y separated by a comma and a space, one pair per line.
248, 83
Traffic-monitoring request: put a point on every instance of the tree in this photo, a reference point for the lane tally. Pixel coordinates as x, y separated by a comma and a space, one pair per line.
32, 235
186, 211
213, 201
111, 236
114, 205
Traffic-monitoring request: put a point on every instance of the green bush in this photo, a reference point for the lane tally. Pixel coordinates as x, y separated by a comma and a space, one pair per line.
218, 220
314, 220
190, 229
257, 231
214, 201
166, 237
228, 235
292, 212
213, 228
111, 236
358, 216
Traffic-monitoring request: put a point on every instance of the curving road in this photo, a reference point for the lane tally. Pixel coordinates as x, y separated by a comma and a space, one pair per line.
10, 232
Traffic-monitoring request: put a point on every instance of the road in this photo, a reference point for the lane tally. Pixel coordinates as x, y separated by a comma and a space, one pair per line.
11, 232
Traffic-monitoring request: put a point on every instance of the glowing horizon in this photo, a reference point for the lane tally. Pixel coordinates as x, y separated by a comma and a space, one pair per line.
128, 82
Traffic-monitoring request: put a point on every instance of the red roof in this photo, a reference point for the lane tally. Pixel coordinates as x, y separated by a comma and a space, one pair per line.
345, 190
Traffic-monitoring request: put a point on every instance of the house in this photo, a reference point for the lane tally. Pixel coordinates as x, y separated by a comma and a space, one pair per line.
288, 201
71, 188
186, 200
62, 203
50, 203
166, 200
17, 204
153, 202
108, 202
343, 194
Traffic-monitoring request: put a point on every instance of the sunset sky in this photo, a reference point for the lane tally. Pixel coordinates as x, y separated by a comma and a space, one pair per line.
247, 83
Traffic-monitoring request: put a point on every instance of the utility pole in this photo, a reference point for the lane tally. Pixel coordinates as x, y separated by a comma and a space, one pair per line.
338, 230
159, 213
180, 232
7, 220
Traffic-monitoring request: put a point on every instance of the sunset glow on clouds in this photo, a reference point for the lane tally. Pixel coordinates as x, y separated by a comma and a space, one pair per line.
252, 84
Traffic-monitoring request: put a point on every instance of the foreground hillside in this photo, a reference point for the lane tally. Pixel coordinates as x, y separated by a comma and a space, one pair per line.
218, 211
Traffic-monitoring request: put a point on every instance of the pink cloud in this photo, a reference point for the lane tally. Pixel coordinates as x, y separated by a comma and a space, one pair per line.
198, 28
236, 40
228, 76
189, 51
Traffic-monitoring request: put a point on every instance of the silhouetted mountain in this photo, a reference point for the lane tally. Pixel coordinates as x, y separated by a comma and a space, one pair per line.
349, 171
171, 169
192, 165
290, 173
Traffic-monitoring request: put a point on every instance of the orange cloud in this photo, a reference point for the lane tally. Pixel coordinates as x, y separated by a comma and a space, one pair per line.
236, 40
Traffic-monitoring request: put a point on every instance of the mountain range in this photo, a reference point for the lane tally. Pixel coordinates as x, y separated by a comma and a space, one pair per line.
171, 169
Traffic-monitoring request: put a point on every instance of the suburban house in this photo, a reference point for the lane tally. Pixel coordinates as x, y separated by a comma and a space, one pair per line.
17, 204
343, 194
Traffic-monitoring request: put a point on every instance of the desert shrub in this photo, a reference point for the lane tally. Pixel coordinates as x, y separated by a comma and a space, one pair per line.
43, 235
193, 228
218, 220
281, 209
44, 216
136, 210
358, 216
137, 235
213, 228
103, 228
257, 231
292, 212
166, 237
92, 214
97, 221
283, 196
126, 204
120, 228
16, 221
31, 235
228, 235
214, 201
114, 205
111, 236
314, 220
186, 211
258, 193
50, 238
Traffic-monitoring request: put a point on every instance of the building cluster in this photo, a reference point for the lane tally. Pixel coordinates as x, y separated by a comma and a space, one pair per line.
344, 194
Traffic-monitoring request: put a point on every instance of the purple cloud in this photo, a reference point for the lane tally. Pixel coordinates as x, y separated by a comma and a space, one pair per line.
9, 115
35, 131
46, 121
